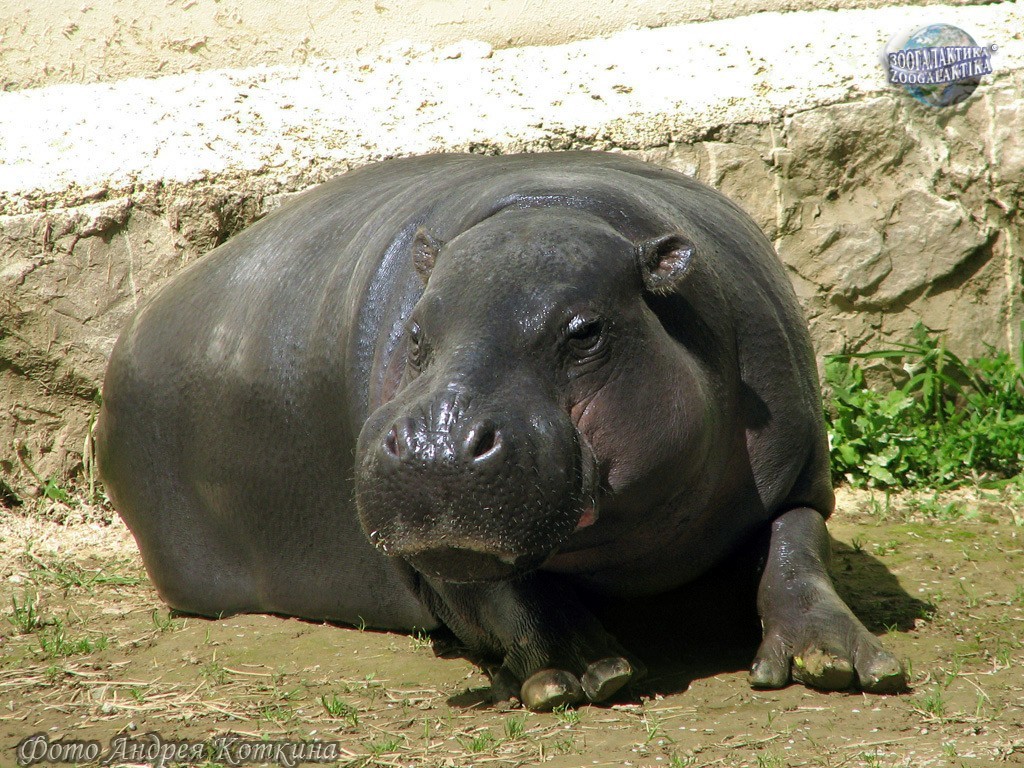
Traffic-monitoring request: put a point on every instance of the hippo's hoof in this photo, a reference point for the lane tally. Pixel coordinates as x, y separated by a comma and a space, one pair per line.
606, 677
550, 688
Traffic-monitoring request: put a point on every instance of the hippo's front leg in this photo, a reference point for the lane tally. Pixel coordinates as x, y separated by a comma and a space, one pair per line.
810, 635
548, 649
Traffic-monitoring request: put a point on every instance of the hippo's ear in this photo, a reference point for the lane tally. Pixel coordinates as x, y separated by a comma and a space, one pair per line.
424, 252
664, 262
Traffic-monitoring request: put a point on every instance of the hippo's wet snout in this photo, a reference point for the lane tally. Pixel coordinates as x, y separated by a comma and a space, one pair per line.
468, 488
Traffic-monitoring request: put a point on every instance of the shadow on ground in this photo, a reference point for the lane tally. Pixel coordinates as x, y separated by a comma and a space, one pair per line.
710, 626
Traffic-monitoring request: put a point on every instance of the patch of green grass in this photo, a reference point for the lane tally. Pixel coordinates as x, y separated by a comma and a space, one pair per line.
565, 746
368, 687
566, 715
275, 712
970, 599
383, 747
68, 575
481, 741
214, 672
944, 423
54, 642
769, 760
165, 622
883, 549
933, 703
50, 492
956, 666
419, 640
54, 673
339, 709
515, 727
652, 727
279, 708
1003, 654
933, 507
25, 616
682, 761
138, 693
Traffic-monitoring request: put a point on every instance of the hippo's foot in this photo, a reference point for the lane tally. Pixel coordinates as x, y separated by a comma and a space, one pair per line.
549, 650
810, 635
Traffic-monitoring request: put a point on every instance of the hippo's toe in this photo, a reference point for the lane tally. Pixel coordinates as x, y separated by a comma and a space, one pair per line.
604, 678
550, 688
882, 673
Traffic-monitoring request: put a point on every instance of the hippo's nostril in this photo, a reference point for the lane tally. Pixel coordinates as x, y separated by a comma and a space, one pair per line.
482, 442
391, 442
396, 442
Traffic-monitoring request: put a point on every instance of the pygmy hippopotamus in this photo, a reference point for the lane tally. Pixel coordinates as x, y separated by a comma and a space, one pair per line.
455, 390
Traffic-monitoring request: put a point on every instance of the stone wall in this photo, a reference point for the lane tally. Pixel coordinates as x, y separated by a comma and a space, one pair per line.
885, 211
887, 214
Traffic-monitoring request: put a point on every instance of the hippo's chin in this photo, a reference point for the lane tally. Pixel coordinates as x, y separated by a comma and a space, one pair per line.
467, 565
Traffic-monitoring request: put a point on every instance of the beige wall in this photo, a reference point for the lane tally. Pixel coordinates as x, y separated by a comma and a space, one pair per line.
78, 41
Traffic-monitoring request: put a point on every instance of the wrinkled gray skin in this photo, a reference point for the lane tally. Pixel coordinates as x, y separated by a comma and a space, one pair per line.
452, 390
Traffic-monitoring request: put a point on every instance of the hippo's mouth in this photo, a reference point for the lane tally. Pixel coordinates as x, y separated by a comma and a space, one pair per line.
461, 564
588, 517
589, 482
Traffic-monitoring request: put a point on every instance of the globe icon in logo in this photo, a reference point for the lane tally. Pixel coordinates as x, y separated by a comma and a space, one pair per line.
940, 65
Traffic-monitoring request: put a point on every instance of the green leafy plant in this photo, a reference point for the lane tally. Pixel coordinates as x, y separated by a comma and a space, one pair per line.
943, 422
55, 492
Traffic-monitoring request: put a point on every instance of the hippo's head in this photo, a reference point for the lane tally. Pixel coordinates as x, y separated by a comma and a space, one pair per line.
526, 357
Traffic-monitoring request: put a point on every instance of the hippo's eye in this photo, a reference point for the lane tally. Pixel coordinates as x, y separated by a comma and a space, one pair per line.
585, 334
415, 345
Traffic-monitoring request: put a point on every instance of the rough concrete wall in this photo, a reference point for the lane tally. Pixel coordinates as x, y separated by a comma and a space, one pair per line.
887, 214
70, 41
885, 211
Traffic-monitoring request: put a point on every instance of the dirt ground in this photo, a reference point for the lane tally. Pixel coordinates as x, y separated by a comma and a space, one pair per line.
88, 652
